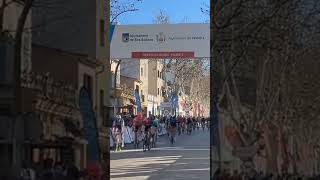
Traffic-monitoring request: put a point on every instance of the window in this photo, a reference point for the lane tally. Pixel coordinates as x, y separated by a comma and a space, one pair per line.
137, 87
87, 83
158, 91
142, 97
102, 32
141, 71
158, 73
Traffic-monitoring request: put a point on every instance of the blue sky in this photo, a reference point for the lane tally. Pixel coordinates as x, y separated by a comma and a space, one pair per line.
177, 10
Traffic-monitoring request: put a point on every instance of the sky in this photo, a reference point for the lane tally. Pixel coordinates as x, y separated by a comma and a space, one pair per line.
177, 10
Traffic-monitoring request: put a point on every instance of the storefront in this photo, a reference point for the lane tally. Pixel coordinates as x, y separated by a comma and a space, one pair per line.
52, 122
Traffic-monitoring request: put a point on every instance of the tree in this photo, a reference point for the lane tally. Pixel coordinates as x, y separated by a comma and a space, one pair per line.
254, 53
187, 73
162, 18
119, 7
116, 9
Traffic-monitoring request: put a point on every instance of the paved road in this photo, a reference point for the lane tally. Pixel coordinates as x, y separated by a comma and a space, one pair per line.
188, 159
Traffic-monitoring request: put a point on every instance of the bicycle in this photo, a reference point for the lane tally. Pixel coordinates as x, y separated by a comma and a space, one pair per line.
153, 137
137, 138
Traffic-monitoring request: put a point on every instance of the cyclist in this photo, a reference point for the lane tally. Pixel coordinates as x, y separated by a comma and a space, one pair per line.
203, 123
194, 123
155, 124
179, 119
173, 128
148, 123
167, 121
198, 122
189, 125
154, 130
183, 124
137, 123
118, 125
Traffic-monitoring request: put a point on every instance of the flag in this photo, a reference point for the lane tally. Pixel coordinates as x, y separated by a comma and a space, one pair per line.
174, 100
138, 101
112, 27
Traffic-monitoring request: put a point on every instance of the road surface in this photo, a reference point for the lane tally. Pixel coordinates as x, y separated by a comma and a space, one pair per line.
188, 159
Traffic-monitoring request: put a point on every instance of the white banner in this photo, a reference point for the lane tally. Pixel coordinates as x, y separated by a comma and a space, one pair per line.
160, 41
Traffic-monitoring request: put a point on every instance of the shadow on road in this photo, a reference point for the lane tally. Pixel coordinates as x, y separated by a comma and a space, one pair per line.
188, 159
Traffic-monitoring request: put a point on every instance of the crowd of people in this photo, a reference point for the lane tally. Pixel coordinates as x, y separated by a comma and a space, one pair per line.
148, 127
225, 174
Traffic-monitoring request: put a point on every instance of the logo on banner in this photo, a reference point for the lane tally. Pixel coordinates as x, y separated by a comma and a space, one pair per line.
161, 38
125, 37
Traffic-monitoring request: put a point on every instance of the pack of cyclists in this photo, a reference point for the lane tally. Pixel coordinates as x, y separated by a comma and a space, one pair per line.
146, 129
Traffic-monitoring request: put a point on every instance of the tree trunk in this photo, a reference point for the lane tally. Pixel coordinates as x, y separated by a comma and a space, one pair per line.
17, 71
17, 49
271, 151
2, 8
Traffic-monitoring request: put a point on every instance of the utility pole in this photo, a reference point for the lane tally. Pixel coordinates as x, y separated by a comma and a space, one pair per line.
108, 99
115, 86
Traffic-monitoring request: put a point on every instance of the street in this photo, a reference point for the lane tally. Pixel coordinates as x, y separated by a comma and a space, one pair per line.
189, 158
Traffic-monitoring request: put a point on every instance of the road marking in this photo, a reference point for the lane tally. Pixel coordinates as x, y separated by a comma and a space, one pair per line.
160, 149
132, 178
177, 170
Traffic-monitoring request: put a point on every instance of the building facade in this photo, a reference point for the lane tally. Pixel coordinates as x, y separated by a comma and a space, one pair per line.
11, 127
82, 29
56, 97
156, 85
138, 69
129, 103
